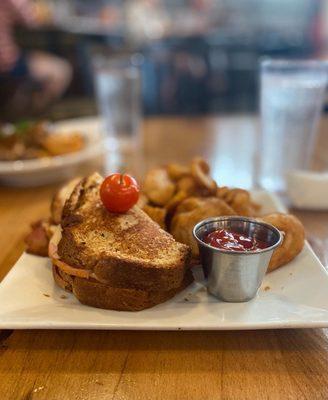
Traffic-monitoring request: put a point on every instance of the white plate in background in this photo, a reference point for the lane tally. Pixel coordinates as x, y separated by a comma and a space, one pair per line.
294, 296
59, 168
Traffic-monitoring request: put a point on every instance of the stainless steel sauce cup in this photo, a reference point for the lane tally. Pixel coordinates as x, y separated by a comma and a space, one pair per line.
236, 276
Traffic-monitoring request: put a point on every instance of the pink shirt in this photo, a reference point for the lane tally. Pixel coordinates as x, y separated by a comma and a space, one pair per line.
12, 12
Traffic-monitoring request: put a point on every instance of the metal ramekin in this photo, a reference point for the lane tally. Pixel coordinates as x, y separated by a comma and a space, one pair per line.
236, 276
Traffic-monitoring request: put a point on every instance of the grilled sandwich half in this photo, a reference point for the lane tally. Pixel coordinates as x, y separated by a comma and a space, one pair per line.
116, 261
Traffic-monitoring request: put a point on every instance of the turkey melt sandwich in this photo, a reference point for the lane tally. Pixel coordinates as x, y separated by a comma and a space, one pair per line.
110, 260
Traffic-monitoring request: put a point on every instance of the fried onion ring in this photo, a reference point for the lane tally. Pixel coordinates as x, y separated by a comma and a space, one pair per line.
188, 185
190, 212
175, 201
200, 172
158, 186
177, 171
239, 199
293, 241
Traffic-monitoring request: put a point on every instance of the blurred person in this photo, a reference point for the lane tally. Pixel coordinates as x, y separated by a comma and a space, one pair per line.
32, 79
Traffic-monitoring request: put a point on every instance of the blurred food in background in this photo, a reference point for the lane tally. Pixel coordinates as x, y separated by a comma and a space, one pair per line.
28, 140
34, 153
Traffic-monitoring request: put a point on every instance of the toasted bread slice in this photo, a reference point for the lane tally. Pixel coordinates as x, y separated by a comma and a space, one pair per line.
59, 199
97, 294
37, 240
122, 250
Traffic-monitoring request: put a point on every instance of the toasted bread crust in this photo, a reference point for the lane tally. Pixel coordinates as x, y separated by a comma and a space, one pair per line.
97, 294
62, 279
125, 250
59, 199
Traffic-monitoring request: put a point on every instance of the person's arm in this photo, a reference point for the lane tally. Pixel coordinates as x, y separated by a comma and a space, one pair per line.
24, 11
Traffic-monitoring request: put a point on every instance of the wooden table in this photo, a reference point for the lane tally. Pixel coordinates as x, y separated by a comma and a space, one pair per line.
286, 364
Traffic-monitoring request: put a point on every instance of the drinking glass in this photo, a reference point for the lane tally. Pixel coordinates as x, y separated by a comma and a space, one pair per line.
117, 84
291, 97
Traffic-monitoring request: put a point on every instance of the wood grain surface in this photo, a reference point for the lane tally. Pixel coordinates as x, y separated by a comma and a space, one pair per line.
60, 365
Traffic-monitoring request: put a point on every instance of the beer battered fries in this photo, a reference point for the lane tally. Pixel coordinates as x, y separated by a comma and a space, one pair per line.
177, 197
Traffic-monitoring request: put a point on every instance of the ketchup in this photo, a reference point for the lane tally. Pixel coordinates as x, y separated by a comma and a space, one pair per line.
233, 241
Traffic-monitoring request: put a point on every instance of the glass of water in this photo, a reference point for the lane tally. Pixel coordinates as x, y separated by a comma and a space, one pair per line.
292, 94
117, 84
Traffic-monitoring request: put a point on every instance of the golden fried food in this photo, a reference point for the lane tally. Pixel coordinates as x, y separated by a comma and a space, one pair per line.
181, 196
177, 197
293, 240
190, 212
157, 214
62, 143
158, 186
188, 185
177, 171
29, 140
175, 201
239, 199
190, 204
142, 201
200, 172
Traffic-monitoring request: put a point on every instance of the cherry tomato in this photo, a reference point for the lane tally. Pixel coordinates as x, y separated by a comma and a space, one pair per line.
119, 192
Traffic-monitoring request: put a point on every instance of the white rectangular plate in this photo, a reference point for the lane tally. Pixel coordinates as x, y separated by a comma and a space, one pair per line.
294, 296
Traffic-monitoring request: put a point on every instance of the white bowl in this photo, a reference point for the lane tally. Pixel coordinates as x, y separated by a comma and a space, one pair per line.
308, 190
